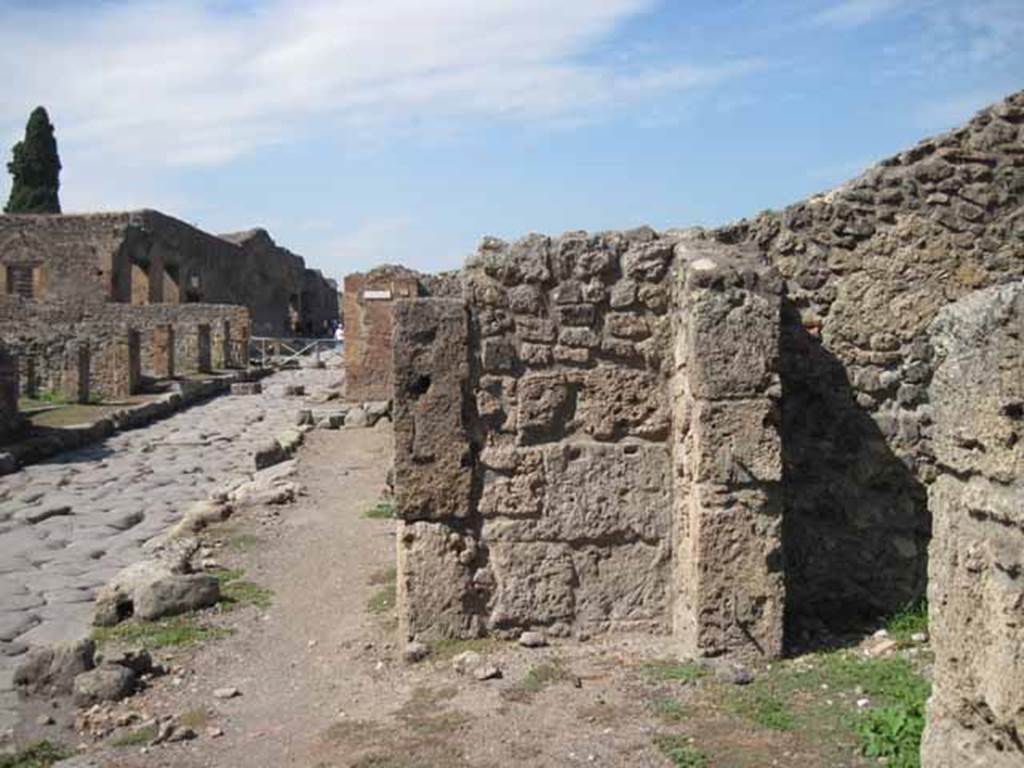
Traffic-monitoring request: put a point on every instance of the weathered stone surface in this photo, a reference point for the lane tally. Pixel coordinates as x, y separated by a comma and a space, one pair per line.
174, 594
269, 454
433, 454
435, 587
52, 669
105, 683
246, 388
976, 558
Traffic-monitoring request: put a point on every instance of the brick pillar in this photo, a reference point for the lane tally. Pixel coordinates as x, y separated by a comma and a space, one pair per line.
158, 351
220, 345
74, 384
730, 591
203, 349
134, 361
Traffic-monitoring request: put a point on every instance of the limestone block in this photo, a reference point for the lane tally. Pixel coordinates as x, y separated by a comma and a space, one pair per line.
526, 299
435, 591
547, 402
571, 355
626, 325
513, 484
579, 337
534, 585
433, 458
617, 402
537, 355
577, 314
735, 442
623, 587
498, 354
583, 493
732, 583
623, 294
540, 330
648, 261
731, 343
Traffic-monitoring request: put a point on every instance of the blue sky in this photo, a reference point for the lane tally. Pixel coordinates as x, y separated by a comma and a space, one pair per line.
367, 131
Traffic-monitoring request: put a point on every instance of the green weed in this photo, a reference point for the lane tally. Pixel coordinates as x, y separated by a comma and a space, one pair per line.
679, 751
910, 620
665, 670
383, 511
669, 710
40, 755
542, 675
178, 631
137, 738
383, 600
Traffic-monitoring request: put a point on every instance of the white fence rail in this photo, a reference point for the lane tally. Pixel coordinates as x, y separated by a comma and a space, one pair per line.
270, 350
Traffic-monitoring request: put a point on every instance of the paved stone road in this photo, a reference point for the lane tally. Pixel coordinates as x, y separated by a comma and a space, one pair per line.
69, 524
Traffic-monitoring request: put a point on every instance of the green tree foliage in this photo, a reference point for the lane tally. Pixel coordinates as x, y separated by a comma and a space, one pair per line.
35, 168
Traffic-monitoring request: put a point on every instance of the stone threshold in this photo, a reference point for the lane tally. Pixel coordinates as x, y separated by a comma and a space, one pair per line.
35, 448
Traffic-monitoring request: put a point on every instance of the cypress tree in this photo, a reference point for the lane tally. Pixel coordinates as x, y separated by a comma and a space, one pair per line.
35, 168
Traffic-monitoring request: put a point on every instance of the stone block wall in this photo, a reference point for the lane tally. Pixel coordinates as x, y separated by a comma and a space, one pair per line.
866, 267
368, 306
10, 421
539, 465
976, 563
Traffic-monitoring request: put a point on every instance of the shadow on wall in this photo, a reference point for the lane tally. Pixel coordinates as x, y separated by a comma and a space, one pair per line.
856, 525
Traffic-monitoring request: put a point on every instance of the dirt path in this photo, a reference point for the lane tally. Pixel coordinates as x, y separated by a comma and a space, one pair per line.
323, 683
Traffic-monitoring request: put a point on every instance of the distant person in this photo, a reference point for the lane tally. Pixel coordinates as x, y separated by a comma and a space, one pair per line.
339, 336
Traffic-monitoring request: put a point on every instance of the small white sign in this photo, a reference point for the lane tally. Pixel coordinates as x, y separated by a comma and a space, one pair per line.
376, 295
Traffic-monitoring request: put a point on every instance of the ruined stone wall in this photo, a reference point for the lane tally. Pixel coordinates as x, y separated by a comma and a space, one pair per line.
976, 568
867, 266
368, 307
147, 258
10, 421
49, 341
78, 259
560, 464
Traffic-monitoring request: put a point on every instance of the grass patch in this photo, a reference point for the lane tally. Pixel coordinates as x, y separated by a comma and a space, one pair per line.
384, 510
139, 737
817, 695
382, 601
679, 751
449, 649
236, 591
383, 576
40, 755
196, 718
175, 632
242, 542
666, 670
910, 620
539, 677
669, 710
767, 710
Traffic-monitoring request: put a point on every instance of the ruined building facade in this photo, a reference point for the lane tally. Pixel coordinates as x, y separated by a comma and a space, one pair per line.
144, 258
738, 435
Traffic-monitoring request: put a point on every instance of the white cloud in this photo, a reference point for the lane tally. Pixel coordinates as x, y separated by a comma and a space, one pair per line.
182, 84
855, 13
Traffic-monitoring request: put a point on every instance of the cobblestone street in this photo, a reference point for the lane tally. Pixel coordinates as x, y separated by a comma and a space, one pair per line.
69, 524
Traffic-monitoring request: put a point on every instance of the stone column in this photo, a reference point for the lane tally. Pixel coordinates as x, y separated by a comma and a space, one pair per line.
158, 352
433, 469
220, 345
74, 383
204, 362
976, 557
730, 591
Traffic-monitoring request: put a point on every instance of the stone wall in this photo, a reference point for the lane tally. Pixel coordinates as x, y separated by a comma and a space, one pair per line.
561, 463
10, 421
147, 258
367, 309
867, 267
49, 341
976, 568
